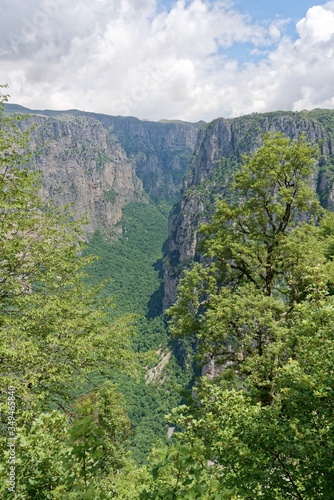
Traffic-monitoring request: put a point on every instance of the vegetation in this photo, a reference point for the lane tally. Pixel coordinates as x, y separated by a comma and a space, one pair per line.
54, 334
132, 269
260, 306
132, 264
110, 195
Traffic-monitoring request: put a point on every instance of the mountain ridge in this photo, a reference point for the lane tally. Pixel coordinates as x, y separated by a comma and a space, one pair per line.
168, 158
126, 160
218, 153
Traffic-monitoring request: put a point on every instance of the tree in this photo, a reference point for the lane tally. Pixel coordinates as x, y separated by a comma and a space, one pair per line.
100, 430
54, 330
85, 458
180, 471
259, 303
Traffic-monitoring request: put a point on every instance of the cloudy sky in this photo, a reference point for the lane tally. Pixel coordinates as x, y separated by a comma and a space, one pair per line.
175, 59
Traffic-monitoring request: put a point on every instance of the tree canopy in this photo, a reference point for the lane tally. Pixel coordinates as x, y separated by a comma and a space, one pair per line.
55, 332
260, 306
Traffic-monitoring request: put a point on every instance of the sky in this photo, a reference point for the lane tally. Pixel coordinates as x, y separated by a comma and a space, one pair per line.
173, 59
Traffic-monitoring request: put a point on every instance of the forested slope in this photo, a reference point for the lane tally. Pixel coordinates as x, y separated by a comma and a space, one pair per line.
85, 343
133, 264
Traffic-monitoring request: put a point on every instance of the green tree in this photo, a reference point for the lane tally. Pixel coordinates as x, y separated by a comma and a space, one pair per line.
181, 471
44, 465
259, 305
85, 458
100, 430
54, 330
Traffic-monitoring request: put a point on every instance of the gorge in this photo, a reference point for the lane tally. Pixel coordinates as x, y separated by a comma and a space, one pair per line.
145, 188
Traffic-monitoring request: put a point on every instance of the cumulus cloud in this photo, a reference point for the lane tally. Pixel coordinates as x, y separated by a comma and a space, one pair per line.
318, 25
136, 57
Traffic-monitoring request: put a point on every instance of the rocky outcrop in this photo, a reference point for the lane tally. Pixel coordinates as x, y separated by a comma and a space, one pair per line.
219, 150
159, 151
83, 166
154, 374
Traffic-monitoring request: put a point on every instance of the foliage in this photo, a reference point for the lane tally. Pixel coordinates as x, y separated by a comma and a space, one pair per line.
84, 458
54, 330
101, 428
180, 472
282, 450
42, 458
132, 265
110, 195
260, 306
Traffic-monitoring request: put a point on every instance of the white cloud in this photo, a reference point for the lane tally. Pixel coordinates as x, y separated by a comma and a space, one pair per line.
135, 57
318, 25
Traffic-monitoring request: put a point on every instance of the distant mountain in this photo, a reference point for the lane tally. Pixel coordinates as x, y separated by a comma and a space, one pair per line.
160, 152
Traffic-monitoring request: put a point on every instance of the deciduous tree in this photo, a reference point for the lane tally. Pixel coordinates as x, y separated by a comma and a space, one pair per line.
54, 330
260, 304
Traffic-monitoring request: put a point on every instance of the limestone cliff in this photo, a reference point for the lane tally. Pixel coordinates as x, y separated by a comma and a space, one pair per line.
159, 151
82, 165
218, 154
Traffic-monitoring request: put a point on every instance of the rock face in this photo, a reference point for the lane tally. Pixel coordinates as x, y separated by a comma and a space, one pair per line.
217, 155
98, 163
160, 152
84, 166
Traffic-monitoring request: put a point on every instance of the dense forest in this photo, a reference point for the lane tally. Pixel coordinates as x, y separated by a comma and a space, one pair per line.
227, 394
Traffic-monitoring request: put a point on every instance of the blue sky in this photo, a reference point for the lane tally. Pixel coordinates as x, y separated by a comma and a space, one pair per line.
181, 59
266, 9
269, 9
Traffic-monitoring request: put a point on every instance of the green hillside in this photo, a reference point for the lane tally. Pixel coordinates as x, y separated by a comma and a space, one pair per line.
96, 377
133, 267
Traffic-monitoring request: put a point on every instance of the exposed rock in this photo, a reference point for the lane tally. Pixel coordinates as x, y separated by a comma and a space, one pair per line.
83, 166
154, 374
218, 153
213, 369
160, 151
170, 432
